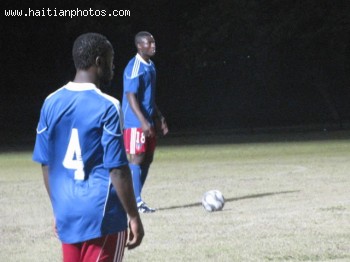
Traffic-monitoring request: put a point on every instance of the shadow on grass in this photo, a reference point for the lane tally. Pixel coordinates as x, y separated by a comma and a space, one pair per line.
232, 199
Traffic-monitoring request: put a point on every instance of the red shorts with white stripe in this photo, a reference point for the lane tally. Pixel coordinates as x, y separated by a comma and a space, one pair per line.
108, 248
136, 142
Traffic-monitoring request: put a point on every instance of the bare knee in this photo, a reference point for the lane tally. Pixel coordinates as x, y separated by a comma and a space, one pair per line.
137, 159
141, 159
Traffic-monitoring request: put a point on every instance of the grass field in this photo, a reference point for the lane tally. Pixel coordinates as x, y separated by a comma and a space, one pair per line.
287, 199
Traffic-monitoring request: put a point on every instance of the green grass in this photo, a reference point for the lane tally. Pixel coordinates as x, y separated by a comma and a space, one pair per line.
287, 199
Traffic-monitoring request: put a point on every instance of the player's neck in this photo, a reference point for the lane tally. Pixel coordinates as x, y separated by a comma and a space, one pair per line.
85, 76
145, 57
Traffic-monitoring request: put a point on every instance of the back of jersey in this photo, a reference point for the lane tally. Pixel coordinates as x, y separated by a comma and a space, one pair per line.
79, 137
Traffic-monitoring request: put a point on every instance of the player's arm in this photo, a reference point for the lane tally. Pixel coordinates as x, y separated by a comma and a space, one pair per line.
161, 120
45, 170
135, 106
122, 182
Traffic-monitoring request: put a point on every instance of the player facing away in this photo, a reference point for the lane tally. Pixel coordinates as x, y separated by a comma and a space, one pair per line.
79, 144
141, 114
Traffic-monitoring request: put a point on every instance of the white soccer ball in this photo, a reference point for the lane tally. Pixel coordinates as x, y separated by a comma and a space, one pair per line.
213, 200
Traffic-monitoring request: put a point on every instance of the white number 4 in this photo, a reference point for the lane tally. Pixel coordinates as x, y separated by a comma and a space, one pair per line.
73, 158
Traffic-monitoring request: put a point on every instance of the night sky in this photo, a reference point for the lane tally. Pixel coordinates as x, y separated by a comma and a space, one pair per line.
239, 64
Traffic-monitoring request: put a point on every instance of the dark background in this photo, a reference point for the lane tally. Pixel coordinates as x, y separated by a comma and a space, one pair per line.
222, 65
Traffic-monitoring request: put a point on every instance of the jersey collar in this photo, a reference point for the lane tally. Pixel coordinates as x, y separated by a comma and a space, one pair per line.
142, 60
72, 86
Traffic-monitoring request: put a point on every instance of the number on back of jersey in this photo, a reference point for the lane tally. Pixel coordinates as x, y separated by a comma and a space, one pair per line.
73, 159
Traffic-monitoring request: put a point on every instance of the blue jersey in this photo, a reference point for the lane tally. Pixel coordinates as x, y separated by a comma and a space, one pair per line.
79, 137
140, 79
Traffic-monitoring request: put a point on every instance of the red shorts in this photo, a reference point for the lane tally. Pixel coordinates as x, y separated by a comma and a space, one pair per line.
136, 142
108, 248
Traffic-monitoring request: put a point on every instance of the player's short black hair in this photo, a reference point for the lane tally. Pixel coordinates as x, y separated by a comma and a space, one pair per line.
140, 35
87, 47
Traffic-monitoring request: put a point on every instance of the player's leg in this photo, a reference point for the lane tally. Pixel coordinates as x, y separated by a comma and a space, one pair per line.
135, 141
139, 169
144, 173
108, 248
135, 163
140, 153
149, 153
145, 165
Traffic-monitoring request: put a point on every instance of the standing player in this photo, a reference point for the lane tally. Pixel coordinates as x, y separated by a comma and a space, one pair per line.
79, 144
141, 113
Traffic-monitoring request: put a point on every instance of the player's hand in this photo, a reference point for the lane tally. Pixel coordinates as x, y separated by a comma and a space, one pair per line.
161, 126
164, 126
148, 130
55, 228
136, 232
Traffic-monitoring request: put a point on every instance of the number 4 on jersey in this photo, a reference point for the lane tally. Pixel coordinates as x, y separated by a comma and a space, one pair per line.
73, 158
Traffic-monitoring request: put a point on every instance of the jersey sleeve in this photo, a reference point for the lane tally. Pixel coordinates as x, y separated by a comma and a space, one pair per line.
40, 153
112, 139
131, 81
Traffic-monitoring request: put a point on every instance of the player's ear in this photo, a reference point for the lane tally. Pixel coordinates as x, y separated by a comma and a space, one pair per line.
98, 61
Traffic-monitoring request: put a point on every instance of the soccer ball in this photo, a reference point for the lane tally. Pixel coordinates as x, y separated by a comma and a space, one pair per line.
213, 200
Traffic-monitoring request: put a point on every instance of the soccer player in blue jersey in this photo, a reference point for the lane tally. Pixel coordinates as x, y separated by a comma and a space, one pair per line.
79, 144
141, 113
